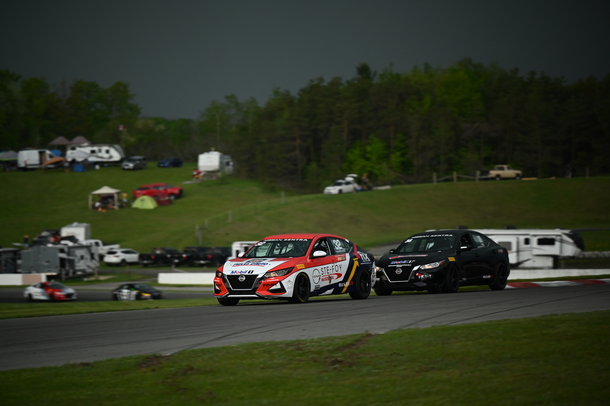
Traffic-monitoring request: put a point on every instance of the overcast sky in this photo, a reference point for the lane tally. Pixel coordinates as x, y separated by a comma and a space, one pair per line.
178, 56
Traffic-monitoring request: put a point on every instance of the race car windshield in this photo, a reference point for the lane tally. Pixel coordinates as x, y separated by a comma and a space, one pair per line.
279, 248
56, 285
427, 243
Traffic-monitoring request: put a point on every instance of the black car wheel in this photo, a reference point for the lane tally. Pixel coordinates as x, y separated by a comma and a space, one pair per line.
300, 293
500, 277
363, 286
451, 284
381, 289
228, 301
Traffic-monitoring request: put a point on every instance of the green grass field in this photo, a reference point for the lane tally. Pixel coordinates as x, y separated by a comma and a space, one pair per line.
231, 209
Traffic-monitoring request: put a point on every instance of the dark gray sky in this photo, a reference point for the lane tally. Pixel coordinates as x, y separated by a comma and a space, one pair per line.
180, 55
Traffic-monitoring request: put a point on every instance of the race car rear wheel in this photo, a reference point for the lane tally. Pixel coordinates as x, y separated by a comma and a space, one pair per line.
228, 301
451, 284
362, 286
500, 277
301, 290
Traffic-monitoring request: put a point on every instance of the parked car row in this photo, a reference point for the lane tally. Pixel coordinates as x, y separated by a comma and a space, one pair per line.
140, 162
163, 256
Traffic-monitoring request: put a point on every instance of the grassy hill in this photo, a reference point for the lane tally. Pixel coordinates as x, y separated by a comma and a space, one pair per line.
232, 209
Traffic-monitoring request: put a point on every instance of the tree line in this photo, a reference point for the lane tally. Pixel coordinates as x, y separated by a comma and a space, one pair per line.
396, 127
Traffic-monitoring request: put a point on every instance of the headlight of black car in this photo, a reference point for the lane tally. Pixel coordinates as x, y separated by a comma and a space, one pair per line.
432, 265
279, 272
218, 273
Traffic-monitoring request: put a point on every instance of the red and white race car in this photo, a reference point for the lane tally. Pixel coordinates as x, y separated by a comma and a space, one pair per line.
295, 267
53, 291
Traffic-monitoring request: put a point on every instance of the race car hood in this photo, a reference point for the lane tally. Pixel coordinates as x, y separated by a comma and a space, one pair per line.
256, 266
412, 259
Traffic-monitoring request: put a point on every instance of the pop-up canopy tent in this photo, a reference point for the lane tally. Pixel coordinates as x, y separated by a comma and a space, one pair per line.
144, 202
105, 191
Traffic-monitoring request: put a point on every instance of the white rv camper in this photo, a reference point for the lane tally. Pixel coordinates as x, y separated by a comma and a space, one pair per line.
534, 248
214, 161
95, 153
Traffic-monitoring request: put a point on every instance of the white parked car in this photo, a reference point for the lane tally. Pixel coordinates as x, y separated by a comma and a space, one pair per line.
341, 186
121, 256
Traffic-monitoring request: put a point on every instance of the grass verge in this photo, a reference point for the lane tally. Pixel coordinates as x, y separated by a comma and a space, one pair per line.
549, 360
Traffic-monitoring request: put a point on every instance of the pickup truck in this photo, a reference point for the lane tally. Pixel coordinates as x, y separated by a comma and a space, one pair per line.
161, 256
202, 256
100, 248
500, 172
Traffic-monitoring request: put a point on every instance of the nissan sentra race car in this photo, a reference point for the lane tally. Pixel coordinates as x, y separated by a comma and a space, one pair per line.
295, 267
52, 291
442, 261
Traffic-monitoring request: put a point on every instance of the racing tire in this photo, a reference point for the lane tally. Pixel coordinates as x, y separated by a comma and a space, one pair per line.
500, 277
300, 293
381, 289
451, 284
362, 286
228, 301
30, 298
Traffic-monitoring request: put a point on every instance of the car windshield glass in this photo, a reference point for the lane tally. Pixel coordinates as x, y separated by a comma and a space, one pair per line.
280, 248
427, 243
56, 285
143, 287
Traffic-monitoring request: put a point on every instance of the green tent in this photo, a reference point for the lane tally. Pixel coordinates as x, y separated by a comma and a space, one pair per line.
144, 202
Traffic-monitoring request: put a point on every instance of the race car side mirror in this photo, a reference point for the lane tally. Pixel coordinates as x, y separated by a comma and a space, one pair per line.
393, 250
318, 254
465, 248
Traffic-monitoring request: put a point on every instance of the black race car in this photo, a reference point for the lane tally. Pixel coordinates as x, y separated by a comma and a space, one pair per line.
136, 291
442, 261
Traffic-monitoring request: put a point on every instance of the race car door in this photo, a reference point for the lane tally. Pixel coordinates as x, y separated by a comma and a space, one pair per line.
330, 269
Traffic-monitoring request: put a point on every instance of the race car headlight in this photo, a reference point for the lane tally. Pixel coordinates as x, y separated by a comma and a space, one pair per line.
218, 274
278, 272
432, 265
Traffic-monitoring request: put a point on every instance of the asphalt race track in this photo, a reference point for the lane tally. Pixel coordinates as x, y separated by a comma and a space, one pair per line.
57, 340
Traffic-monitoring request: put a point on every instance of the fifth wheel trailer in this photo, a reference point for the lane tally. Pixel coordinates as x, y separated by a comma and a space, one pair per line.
537, 248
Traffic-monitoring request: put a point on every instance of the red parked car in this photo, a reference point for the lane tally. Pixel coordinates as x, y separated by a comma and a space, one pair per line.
155, 189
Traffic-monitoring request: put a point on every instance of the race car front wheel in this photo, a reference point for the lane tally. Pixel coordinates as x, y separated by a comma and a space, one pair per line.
228, 301
300, 293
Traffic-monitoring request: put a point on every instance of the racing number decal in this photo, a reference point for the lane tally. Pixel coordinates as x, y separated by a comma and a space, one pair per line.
351, 275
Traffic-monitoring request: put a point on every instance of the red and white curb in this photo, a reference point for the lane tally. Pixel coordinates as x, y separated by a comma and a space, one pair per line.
554, 284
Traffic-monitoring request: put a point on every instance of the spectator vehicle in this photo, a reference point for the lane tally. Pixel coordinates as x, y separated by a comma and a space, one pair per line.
500, 172
136, 291
162, 256
202, 256
442, 261
347, 185
153, 189
121, 256
170, 162
295, 267
49, 291
134, 162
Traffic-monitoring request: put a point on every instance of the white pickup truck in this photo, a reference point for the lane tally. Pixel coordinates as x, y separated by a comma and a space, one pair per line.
500, 172
101, 248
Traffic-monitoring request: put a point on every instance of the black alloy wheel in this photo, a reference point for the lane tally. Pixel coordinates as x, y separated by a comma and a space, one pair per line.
451, 284
362, 285
500, 277
300, 293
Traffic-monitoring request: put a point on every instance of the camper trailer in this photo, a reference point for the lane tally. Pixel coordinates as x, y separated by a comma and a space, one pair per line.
537, 248
82, 231
34, 158
95, 153
214, 161
64, 261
